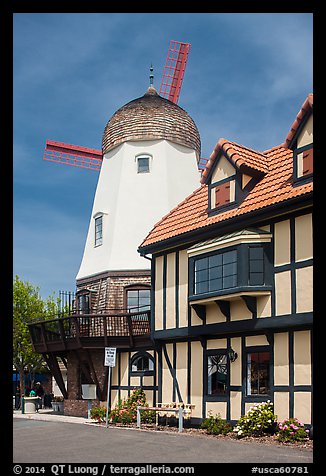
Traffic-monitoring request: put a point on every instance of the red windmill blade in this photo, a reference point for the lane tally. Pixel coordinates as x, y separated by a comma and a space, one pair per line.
74, 155
174, 70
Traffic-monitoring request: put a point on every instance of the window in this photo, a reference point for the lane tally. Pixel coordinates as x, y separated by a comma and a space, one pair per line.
258, 373
98, 230
216, 272
303, 162
142, 363
256, 266
217, 374
83, 303
142, 164
222, 194
138, 300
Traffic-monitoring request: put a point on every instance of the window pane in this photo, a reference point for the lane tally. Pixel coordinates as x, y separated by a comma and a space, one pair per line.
143, 164
215, 260
201, 276
256, 253
201, 287
256, 266
230, 269
258, 373
215, 272
229, 281
201, 264
217, 377
256, 279
215, 284
229, 257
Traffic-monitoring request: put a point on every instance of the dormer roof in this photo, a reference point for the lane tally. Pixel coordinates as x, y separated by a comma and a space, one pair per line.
274, 189
244, 159
304, 112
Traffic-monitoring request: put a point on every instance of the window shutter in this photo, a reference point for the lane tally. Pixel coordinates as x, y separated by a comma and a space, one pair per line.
307, 162
222, 194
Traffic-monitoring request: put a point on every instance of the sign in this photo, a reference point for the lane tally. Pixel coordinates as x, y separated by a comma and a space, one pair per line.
110, 356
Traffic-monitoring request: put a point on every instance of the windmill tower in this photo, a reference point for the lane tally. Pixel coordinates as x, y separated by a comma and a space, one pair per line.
148, 163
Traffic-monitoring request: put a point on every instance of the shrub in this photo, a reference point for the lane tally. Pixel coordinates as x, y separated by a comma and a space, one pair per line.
126, 410
214, 425
99, 413
259, 420
292, 429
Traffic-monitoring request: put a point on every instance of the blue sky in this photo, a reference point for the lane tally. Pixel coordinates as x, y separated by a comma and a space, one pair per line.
246, 78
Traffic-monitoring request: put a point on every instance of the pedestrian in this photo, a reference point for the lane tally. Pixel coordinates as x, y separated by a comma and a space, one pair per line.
39, 392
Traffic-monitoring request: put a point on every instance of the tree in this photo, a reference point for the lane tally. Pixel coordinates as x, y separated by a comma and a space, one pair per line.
27, 307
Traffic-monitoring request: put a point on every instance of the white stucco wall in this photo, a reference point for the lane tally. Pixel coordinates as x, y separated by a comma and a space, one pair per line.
133, 202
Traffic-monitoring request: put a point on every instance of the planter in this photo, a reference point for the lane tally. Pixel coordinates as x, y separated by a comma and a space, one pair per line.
30, 404
58, 407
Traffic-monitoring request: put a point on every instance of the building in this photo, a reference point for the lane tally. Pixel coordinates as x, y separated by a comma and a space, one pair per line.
147, 145
232, 269
228, 319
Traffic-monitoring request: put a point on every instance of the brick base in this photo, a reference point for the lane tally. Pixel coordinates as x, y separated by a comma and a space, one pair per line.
75, 408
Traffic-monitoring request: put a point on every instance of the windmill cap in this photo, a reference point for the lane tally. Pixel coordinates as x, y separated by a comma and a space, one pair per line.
151, 117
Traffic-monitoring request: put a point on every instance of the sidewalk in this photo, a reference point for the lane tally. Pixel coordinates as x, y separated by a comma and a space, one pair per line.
47, 414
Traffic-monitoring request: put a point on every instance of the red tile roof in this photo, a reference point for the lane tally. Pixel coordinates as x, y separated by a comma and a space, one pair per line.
240, 156
305, 109
275, 186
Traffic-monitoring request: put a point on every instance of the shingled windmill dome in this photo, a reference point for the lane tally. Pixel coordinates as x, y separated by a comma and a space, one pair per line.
151, 117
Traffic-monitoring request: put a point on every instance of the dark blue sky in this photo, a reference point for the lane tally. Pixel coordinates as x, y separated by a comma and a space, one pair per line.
246, 78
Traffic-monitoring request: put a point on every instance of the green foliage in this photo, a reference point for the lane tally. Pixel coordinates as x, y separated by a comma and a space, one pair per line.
259, 420
214, 425
125, 411
291, 430
27, 307
98, 413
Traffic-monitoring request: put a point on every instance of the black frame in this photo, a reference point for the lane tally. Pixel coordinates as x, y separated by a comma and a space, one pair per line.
304, 178
140, 373
253, 350
243, 270
206, 395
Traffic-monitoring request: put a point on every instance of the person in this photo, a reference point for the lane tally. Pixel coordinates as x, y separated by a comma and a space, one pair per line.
39, 392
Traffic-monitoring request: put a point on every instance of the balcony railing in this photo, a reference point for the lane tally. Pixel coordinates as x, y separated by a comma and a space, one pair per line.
90, 330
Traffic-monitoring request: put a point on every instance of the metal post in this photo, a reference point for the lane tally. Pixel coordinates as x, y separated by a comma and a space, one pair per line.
180, 419
108, 396
138, 417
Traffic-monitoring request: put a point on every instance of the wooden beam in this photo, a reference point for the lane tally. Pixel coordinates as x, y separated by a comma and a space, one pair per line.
224, 307
53, 365
251, 303
200, 311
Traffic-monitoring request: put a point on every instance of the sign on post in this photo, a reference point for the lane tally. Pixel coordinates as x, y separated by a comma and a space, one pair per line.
110, 356
109, 361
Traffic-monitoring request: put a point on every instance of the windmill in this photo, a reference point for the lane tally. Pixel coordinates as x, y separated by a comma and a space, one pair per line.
91, 159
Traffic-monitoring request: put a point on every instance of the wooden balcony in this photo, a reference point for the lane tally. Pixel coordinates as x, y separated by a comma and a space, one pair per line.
91, 331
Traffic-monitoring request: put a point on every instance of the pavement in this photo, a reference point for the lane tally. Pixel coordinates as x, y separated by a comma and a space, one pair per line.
47, 414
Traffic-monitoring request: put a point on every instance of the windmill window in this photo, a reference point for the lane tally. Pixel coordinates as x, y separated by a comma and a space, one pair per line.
98, 230
143, 164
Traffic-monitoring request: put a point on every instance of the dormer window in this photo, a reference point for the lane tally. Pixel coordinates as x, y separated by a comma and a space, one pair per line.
223, 193
303, 162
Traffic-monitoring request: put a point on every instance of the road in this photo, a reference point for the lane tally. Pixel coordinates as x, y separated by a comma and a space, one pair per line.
53, 442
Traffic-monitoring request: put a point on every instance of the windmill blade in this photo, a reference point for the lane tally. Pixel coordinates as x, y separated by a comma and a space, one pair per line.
73, 155
174, 70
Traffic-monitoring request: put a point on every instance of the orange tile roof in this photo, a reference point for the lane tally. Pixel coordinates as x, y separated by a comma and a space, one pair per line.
239, 155
305, 108
192, 214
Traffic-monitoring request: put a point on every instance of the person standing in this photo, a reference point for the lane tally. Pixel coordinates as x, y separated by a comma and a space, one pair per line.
39, 391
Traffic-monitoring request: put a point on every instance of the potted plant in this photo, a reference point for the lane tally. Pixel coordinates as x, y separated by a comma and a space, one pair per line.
57, 404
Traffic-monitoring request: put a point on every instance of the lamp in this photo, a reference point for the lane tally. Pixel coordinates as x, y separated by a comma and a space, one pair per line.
232, 355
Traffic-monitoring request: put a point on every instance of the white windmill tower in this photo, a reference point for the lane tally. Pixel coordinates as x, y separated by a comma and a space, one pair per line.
149, 163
